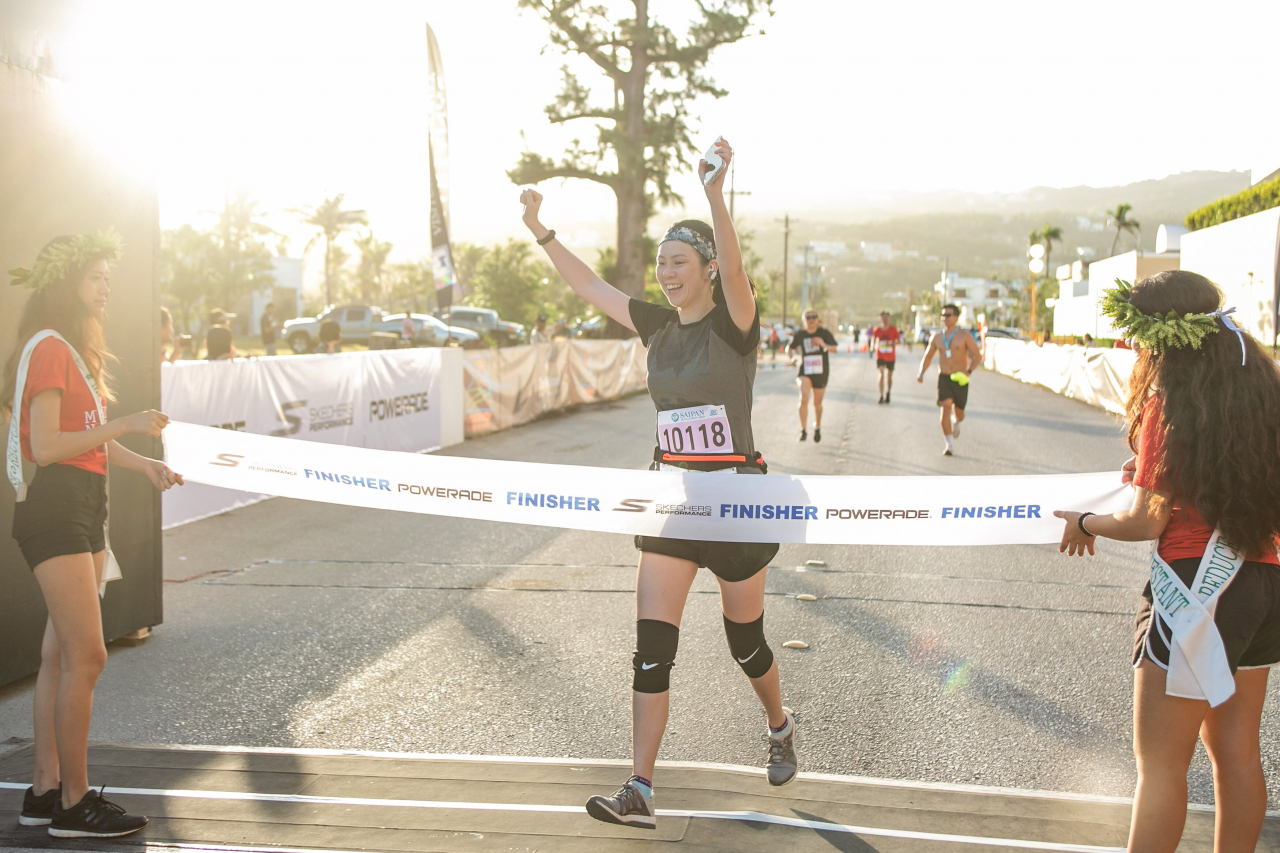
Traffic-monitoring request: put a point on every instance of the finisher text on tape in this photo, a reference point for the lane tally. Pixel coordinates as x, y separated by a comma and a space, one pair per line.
773, 508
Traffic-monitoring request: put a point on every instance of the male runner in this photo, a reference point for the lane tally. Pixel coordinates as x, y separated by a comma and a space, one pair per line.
958, 353
884, 344
813, 343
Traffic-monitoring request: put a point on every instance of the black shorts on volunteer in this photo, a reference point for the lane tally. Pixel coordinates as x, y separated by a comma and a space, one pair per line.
65, 513
729, 561
1247, 617
949, 389
880, 362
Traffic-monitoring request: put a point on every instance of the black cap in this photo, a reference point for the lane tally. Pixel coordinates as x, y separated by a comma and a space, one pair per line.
542, 318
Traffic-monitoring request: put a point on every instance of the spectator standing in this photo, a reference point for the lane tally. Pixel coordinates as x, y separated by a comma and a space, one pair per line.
408, 331
270, 328
540, 334
330, 338
180, 343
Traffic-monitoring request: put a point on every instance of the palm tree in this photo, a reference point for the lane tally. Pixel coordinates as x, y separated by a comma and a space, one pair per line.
1119, 219
373, 257
1049, 234
332, 221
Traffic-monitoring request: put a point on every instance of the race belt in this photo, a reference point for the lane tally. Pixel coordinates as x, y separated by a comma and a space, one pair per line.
1198, 666
776, 508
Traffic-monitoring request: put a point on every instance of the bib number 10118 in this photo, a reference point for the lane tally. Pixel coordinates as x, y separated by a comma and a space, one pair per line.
697, 429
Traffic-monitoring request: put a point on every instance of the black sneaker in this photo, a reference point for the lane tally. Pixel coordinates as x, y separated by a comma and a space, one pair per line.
804, 433
628, 806
93, 817
886, 398
38, 811
880, 402
817, 436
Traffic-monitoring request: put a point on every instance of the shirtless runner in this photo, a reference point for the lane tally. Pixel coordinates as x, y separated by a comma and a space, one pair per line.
958, 355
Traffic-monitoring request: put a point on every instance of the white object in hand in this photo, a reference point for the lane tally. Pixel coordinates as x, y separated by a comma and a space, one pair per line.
716, 164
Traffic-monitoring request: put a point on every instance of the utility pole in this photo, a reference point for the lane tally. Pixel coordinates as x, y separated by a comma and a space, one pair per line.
786, 262
733, 193
804, 281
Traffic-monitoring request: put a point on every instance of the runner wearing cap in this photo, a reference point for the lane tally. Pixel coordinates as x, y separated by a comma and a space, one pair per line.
958, 355
884, 346
702, 364
813, 342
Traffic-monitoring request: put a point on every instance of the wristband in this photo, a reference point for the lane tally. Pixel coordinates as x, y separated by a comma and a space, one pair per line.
547, 238
1080, 523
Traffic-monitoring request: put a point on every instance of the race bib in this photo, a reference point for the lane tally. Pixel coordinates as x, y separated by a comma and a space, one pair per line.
812, 365
697, 429
885, 346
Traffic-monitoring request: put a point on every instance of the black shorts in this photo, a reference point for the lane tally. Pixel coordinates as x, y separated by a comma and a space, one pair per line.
949, 389
730, 561
1247, 616
64, 513
880, 362
818, 380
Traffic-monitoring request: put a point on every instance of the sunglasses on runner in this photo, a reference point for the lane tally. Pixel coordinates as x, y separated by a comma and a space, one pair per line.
811, 316
949, 314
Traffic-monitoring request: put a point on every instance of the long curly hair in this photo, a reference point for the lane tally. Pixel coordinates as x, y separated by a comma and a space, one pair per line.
58, 306
1220, 419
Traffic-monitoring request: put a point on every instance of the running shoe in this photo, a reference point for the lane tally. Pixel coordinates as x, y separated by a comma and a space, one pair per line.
804, 433
955, 429
886, 398
881, 400
817, 435
628, 806
782, 754
946, 450
93, 817
38, 811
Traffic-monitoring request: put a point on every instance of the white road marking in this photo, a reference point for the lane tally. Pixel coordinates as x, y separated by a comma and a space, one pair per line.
751, 816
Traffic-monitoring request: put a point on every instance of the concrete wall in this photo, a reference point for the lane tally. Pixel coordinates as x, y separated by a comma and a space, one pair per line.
1078, 315
51, 184
1243, 258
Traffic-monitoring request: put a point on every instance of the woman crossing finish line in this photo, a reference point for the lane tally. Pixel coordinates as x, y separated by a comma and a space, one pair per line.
55, 395
702, 364
1204, 420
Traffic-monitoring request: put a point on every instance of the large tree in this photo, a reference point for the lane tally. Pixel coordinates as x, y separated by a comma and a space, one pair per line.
642, 131
188, 262
1119, 220
331, 221
373, 260
243, 258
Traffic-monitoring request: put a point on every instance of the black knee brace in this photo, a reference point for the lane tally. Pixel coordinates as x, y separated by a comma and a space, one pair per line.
656, 643
748, 646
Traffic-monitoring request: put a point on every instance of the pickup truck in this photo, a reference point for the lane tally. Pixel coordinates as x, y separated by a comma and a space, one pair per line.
358, 322
486, 322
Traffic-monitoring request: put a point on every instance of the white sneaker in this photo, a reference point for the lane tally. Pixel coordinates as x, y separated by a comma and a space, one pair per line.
955, 429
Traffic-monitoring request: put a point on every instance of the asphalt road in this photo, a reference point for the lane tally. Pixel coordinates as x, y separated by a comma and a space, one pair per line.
294, 624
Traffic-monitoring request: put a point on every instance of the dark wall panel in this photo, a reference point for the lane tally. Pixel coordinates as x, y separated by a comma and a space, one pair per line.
52, 182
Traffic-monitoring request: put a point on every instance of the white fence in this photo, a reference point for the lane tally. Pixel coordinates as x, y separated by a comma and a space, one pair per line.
1099, 377
395, 400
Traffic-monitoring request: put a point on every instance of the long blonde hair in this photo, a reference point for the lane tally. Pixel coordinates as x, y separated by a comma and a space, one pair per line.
58, 306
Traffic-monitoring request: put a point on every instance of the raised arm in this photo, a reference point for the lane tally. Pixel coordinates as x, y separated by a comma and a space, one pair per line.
580, 277
733, 275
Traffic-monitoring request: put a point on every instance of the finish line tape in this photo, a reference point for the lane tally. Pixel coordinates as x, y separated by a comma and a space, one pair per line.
834, 510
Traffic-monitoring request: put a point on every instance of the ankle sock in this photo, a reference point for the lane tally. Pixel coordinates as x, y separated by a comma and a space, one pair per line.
645, 786
786, 722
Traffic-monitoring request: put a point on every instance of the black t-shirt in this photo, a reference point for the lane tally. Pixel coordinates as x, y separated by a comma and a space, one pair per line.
708, 363
811, 345
268, 326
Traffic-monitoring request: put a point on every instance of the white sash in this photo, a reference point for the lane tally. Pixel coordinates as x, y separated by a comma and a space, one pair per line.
13, 456
1198, 667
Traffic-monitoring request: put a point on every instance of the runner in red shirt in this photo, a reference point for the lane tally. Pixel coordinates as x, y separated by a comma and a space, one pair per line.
884, 349
1204, 421
55, 393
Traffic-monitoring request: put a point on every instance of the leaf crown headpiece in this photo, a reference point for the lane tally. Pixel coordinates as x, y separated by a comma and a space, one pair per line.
1153, 331
59, 259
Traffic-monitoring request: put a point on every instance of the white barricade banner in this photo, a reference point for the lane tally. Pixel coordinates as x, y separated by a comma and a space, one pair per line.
716, 507
1097, 376
406, 400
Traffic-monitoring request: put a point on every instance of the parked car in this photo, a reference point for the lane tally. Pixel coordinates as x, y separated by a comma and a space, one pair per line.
1015, 334
434, 333
358, 322
592, 328
487, 323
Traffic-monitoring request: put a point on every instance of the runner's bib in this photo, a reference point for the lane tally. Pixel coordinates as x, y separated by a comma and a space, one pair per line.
697, 429
884, 345
812, 365
1198, 666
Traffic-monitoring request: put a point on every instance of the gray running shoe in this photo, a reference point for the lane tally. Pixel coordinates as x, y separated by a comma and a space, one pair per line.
782, 754
628, 806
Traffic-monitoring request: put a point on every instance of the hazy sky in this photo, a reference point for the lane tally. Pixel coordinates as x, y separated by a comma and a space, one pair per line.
839, 101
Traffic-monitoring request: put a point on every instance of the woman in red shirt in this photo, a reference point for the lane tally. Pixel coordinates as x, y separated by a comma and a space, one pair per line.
1204, 421
59, 521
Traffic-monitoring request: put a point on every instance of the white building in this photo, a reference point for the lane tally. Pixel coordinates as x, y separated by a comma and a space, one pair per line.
1076, 312
877, 252
975, 295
